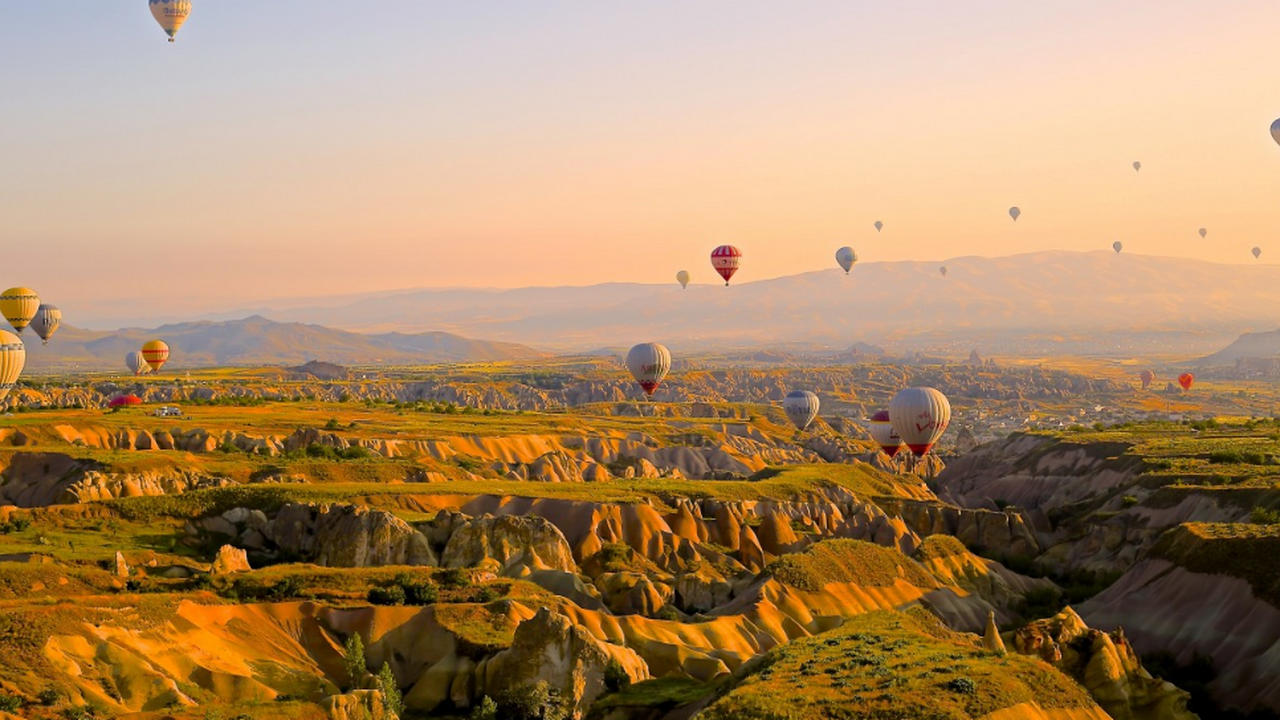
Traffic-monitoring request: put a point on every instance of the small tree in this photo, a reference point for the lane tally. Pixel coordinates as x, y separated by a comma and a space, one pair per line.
354, 661
486, 710
391, 698
615, 676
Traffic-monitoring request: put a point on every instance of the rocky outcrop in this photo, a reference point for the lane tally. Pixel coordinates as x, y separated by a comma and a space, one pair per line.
1106, 665
230, 560
551, 648
515, 546
357, 705
343, 536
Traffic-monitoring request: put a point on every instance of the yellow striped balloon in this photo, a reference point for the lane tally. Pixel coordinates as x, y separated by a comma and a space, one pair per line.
171, 14
155, 353
13, 357
19, 306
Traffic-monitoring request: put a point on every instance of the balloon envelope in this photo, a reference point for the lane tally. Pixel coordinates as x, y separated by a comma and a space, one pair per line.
1117, 246
135, 363
649, 363
19, 305
879, 226
846, 257
13, 357
46, 322
123, 400
155, 354
1147, 377
1275, 131
1014, 212
682, 277
801, 407
883, 433
1137, 166
920, 415
1257, 252
725, 259
171, 14
1204, 232
1186, 380
943, 270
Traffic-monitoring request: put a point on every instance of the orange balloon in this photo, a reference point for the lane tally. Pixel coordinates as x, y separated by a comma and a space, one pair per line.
1185, 380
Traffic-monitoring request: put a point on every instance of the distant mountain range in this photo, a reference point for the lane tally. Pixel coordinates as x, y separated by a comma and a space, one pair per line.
1041, 302
1249, 345
259, 341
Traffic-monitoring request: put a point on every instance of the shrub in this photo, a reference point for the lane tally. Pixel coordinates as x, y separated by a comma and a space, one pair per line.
10, 703
615, 676
333, 425
532, 702
393, 595
962, 685
48, 697
454, 578
486, 595
1265, 516
420, 593
1129, 501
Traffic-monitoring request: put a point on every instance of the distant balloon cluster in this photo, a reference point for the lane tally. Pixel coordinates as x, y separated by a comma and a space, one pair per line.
22, 308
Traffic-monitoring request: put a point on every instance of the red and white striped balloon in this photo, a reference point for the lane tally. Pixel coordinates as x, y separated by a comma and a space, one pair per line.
725, 259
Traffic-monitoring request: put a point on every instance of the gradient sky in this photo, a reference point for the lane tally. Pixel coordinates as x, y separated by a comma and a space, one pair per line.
313, 147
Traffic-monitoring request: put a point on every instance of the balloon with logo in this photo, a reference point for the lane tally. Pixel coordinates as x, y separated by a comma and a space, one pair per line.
171, 14
649, 363
1186, 380
920, 415
682, 277
13, 357
46, 322
884, 435
1147, 377
801, 407
19, 305
846, 257
726, 259
155, 354
1014, 212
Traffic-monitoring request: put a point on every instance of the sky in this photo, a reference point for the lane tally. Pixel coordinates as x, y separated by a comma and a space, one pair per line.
308, 148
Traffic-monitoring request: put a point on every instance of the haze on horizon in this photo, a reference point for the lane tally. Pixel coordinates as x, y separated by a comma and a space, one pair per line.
307, 149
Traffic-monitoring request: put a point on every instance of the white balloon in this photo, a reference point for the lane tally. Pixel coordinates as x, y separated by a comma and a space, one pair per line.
920, 415
846, 257
649, 363
883, 433
801, 407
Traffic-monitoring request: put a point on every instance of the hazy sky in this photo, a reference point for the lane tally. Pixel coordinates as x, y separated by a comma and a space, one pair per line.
313, 147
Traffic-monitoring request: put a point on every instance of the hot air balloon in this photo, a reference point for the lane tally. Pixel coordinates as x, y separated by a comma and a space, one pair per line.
170, 14
879, 226
682, 277
1185, 380
801, 407
124, 400
943, 270
725, 259
1204, 232
46, 322
649, 363
1014, 212
846, 257
1137, 166
1147, 377
920, 415
883, 433
1257, 253
1117, 246
135, 363
1275, 131
19, 306
13, 357
155, 354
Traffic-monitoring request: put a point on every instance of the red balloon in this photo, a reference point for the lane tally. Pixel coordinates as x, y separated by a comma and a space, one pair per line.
725, 260
124, 400
1185, 380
